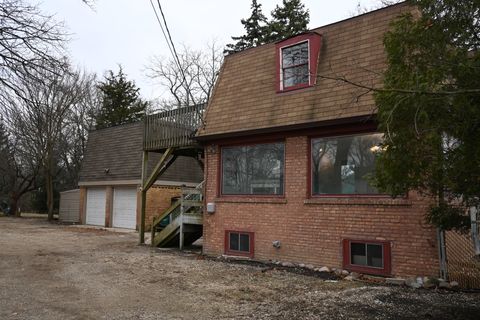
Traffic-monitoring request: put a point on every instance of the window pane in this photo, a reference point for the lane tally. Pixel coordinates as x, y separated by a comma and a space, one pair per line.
358, 254
375, 255
234, 243
295, 55
255, 169
340, 165
245, 242
295, 75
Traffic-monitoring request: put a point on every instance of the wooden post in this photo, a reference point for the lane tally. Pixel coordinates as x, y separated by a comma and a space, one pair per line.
181, 236
144, 197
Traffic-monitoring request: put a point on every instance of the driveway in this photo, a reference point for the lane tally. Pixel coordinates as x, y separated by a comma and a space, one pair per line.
50, 271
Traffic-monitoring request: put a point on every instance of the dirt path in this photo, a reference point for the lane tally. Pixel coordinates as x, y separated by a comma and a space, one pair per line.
62, 272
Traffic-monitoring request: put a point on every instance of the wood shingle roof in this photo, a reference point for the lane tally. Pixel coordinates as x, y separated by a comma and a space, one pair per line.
119, 149
245, 96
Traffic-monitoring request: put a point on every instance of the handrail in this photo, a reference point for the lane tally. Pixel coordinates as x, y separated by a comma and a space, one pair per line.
174, 210
172, 128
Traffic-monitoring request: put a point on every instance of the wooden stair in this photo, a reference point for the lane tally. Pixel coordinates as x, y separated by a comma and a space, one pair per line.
182, 223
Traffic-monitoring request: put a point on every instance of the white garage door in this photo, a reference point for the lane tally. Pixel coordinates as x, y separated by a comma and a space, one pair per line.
125, 208
96, 206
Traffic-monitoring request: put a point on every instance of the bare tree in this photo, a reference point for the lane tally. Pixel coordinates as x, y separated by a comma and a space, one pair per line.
17, 173
30, 43
40, 120
191, 81
79, 120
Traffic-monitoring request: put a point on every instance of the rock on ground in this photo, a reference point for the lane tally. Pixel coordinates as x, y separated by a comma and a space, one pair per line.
59, 272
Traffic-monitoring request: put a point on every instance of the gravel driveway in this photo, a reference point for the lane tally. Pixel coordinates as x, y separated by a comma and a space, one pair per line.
50, 271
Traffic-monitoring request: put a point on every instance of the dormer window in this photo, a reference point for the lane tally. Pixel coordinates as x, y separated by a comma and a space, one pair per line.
295, 66
297, 60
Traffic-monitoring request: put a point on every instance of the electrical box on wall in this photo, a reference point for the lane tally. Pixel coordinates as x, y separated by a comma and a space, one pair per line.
211, 207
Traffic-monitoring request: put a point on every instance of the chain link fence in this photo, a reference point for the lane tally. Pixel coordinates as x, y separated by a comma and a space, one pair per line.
463, 265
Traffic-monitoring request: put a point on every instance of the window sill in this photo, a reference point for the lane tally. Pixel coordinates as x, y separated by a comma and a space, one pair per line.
367, 270
366, 201
250, 200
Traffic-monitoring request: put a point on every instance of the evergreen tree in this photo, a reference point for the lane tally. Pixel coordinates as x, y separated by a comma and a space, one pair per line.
254, 28
287, 21
120, 101
429, 109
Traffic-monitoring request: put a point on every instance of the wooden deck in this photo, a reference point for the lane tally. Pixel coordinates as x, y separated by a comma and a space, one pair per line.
172, 128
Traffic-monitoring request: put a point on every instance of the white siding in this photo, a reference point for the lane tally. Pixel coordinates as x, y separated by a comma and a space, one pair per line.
69, 210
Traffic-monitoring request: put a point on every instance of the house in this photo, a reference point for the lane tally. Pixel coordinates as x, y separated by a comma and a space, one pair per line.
288, 146
111, 173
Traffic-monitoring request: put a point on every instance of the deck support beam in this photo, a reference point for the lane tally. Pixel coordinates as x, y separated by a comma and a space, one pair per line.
144, 197
163, 164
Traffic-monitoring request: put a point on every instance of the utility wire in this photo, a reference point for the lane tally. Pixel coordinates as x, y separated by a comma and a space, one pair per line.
171, 46
163, 31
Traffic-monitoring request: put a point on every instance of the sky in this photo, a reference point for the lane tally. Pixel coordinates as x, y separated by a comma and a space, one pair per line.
126, 32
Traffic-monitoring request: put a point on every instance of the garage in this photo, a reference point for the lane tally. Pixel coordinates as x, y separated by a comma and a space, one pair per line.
95, 206
125, 208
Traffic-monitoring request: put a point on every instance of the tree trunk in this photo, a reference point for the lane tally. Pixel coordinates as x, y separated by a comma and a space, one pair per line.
49, 189
14, 205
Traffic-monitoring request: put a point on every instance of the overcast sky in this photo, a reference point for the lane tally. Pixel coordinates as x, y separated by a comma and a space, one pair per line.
126, 32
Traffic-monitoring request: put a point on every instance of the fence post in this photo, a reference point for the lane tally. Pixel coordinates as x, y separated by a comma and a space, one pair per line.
475, 236
442, 254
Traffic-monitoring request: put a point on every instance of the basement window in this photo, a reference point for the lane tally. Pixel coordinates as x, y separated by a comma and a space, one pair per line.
239, 243
371, 257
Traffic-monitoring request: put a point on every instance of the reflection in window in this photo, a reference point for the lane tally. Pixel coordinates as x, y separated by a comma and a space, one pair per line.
253, 169
340, 165
366, 254
295, 69
238, 242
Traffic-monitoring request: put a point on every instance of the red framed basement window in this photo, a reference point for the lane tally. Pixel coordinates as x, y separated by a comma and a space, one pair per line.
297, 61
365, 256
239, 243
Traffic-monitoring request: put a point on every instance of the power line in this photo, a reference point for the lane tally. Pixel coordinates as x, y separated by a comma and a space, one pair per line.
171, 47
163, 31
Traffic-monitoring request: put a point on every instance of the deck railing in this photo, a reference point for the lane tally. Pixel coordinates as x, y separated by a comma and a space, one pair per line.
172, 128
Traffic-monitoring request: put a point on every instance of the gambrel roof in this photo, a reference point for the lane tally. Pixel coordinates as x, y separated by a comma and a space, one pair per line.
245, 98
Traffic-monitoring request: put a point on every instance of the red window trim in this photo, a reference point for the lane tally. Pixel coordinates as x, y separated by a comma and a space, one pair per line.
251, 239
351, 131
248, 143
387, 259
314, 43
282, 68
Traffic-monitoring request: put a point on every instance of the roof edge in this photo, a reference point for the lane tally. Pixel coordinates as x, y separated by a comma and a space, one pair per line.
287, 128
313, 30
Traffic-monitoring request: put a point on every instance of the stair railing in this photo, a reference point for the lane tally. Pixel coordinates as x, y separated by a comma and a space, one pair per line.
187, 202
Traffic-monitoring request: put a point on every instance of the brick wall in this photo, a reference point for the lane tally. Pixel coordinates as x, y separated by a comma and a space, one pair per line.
158, 200
311, 230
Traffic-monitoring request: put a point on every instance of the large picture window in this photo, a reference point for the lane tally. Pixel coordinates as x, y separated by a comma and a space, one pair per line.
253, 169
341, 165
